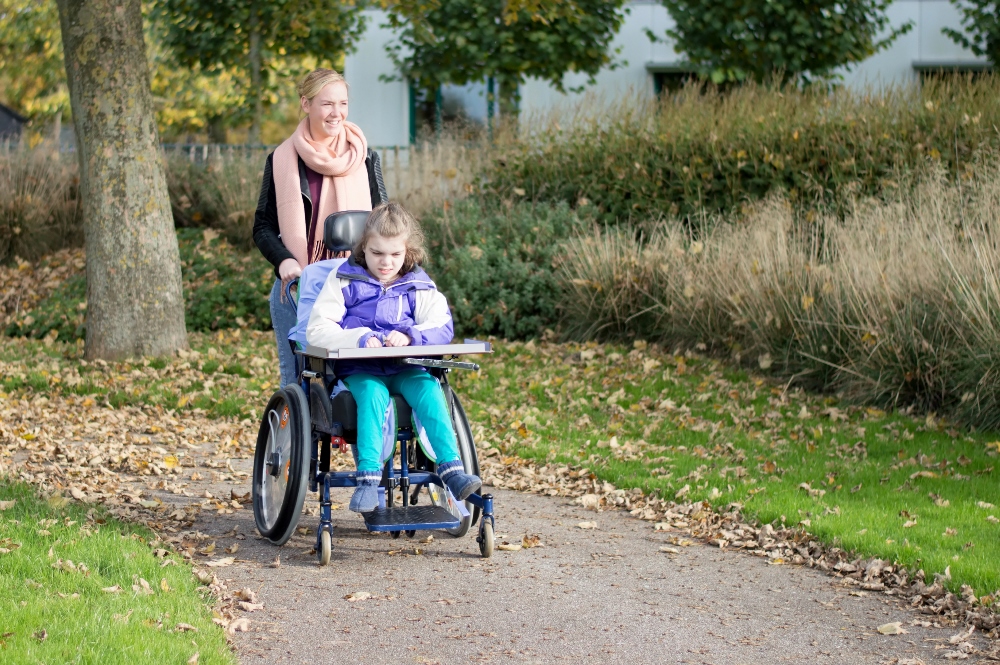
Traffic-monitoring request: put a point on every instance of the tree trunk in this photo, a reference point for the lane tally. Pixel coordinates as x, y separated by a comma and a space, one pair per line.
135, 306
253, 137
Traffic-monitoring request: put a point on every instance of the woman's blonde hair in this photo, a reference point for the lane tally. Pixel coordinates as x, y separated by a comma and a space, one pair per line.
391, 220
316, 80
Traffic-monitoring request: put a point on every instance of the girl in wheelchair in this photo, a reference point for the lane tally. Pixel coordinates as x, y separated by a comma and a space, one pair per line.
382, 297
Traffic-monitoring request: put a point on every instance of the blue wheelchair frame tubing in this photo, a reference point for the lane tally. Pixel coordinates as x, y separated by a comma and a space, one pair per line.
322, 481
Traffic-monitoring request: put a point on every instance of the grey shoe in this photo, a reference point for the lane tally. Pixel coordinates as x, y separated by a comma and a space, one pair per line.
365, 497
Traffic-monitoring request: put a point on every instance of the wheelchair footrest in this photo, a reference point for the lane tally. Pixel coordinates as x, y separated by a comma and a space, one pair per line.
412, 518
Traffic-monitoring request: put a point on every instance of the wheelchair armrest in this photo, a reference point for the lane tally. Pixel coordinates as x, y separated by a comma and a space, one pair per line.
438, 363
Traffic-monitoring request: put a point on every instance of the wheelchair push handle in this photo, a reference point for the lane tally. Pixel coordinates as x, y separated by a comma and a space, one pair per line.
288, 292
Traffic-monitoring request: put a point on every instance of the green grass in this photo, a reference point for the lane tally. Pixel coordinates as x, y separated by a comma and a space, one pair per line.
229, 373
678, 422
693, 428
59, 615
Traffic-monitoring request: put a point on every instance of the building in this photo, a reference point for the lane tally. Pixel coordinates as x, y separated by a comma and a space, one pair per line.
11, 123
387, 111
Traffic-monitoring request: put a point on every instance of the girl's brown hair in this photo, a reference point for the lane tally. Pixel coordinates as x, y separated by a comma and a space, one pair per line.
391, 220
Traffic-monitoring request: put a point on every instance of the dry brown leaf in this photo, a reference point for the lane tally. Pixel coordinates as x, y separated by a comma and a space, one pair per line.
112, 589
220, 563
356, 596
587, 525
509, 547
241, 625
4, 505
185, 627
894, 628
193, 660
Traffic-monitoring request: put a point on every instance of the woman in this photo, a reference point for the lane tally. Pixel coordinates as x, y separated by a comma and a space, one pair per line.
324, 167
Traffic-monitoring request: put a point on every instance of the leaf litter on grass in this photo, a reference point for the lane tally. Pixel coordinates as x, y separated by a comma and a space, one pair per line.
555, 419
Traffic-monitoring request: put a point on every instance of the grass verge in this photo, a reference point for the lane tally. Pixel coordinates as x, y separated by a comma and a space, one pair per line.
917, 491
76, 585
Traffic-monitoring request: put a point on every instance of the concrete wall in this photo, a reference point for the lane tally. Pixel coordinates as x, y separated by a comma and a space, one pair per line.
382, 109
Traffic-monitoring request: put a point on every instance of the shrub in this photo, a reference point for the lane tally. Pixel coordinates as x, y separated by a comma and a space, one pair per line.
497, 265
895, 305
220, 192
223, 288
38, 202
703, 151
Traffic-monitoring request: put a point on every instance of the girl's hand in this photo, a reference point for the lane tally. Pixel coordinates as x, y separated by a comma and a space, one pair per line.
396, 338
289, 270
373, 342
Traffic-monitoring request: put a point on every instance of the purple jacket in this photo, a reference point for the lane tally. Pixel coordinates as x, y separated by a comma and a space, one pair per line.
353, 306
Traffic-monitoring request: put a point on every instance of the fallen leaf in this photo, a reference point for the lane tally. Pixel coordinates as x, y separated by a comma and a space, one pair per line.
219, 563
894, 628
356, 596
276, 563
112, 589
428, 540
670, 550
509, 547
40, 635
527, 542
250, 607
233, 549
909, 524
163, 584
185, 627
193, 660
241, 625
587, 525
4, 505
247, 595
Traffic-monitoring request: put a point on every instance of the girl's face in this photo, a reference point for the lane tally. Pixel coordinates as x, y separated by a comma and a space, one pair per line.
385, 256
327, 111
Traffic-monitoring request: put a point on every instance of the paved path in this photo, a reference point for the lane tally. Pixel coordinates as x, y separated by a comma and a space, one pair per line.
586, 596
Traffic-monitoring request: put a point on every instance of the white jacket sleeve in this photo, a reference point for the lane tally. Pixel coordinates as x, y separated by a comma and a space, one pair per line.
432, 319
324, 329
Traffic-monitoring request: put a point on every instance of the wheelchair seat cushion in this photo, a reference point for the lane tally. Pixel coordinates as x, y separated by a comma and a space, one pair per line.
345, 411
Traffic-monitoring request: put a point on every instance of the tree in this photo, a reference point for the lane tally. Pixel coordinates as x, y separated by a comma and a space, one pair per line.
256, 38
463, 41
734, 40
32, 77
981, 23
134, 300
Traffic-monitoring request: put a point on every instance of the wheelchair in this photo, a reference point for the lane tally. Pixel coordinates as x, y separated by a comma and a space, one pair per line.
303, 425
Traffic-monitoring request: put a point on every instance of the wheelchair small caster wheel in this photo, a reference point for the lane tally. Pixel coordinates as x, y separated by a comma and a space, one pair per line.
325, 548
485, 539
410, 533
394, 534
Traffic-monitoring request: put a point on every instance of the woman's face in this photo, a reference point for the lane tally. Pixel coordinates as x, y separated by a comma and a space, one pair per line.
327, 111
384, 257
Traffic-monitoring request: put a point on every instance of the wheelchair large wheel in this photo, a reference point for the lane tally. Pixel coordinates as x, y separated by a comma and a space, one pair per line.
467, 451
281, 464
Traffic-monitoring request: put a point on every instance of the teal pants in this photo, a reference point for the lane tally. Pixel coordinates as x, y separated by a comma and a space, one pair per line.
422, 392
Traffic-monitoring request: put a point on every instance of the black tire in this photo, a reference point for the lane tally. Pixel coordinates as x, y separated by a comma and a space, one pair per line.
467, 451
278, 492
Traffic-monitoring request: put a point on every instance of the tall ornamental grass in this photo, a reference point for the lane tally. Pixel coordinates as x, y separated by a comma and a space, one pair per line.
701, 150
39, 210
897, 304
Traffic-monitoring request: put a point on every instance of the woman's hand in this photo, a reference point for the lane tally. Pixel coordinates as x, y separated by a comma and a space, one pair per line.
396, 338
373, 342
288, 270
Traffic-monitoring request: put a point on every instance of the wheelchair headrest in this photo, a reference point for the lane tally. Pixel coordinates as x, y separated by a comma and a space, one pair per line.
343, 230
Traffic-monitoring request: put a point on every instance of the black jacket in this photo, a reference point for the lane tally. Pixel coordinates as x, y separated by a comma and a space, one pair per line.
266, 233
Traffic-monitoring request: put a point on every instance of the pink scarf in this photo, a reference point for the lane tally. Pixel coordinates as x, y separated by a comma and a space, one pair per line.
345, 184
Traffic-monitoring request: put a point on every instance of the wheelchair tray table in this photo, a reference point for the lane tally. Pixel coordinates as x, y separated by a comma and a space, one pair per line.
418, 518
469, 347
